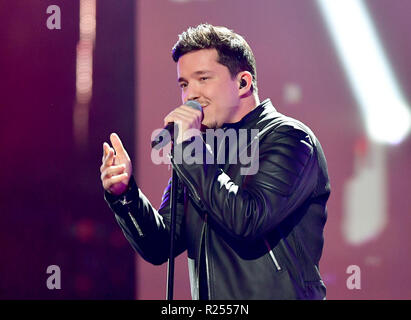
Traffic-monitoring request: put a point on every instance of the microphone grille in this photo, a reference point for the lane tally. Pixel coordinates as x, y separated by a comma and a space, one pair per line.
194, 104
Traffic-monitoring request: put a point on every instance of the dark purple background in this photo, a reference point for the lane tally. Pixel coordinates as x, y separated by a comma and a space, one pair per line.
51, 205
52, 210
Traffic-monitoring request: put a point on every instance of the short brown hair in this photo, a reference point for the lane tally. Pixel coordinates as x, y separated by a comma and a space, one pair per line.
233, 51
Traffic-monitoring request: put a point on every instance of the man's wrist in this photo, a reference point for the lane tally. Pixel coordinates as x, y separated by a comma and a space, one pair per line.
124, 197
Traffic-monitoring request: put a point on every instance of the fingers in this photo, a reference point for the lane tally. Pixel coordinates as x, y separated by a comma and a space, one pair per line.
188, 112
108, 159
116, 155
117, 144
112, 171
113, 175
184, 113
177, 115
109, 182
106, 148
186, 118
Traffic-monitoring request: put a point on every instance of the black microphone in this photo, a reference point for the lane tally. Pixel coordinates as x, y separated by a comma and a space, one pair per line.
168, 131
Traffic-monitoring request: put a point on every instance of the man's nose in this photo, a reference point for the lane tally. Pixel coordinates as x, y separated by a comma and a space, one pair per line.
192, 93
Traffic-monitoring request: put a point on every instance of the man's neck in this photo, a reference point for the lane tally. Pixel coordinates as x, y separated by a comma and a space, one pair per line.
247, 104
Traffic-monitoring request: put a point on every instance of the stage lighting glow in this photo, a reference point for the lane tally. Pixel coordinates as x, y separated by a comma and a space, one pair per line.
384, 109
84, 69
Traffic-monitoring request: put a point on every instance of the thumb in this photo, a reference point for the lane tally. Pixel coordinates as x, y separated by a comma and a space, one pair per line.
117, 144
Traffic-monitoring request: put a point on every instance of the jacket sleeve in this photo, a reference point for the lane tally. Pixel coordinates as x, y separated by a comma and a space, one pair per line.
147, 229
286, 176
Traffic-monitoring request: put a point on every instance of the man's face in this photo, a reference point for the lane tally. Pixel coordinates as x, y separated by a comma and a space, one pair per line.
203, 79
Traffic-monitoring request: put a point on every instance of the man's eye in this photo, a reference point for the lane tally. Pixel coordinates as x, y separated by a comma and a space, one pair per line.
183, 85
203, 78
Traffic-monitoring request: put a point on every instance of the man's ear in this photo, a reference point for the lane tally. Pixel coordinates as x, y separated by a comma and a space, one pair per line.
244, 79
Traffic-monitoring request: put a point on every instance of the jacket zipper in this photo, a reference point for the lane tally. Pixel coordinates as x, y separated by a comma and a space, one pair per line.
140, 233
199, 258
124, 202
203, 238
271, 252
188, 182
199, 202
206, 258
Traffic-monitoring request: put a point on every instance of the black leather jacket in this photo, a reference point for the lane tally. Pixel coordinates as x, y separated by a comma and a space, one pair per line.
257, 236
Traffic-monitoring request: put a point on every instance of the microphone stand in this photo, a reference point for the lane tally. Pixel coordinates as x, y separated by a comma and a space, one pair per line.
173, 213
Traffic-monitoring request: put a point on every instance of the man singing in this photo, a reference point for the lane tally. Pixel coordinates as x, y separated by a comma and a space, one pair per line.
255, 235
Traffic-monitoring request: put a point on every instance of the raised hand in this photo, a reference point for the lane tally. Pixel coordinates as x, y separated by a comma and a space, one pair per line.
116, 168
188, 120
